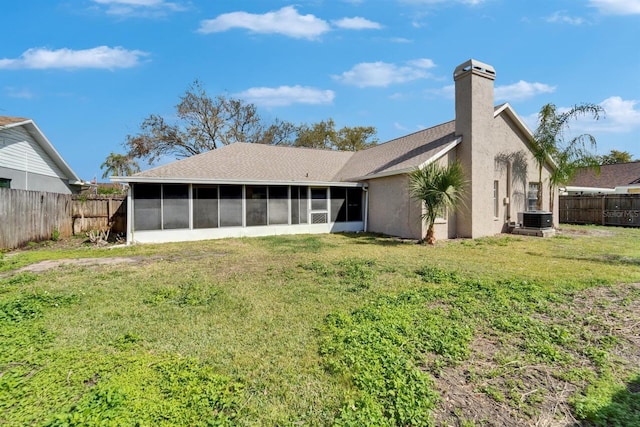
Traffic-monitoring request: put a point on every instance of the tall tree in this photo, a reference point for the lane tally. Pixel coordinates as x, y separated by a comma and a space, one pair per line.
203, 124
439, 188
615, 157
324, 135
356, 138
119, 165
549, 144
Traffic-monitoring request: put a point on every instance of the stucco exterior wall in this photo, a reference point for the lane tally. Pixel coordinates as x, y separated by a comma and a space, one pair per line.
392, 211
495, 155
513, 156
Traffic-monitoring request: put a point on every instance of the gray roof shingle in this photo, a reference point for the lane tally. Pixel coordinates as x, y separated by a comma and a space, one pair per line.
257, 162
611, 176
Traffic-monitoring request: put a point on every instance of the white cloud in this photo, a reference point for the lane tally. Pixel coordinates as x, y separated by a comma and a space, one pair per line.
13, 92
521, 90
286, 21
401, 40
382, 74
140, 7
617, 7
561, 17
448, 91
97, 57
286, 95
356, 23
620, 115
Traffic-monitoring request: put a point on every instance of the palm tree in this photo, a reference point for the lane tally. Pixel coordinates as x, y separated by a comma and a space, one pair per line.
439, 188
548, 142
119, 165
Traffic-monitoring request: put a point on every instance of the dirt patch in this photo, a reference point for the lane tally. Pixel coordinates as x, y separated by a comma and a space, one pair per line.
41, 266
487, 391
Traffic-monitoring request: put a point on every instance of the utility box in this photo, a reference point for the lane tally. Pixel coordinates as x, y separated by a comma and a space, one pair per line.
537, 219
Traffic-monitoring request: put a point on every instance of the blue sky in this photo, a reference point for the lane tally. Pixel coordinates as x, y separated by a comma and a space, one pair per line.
89, 71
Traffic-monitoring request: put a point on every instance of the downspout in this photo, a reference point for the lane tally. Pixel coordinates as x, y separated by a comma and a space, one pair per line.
130, 215
508, 204
366, 207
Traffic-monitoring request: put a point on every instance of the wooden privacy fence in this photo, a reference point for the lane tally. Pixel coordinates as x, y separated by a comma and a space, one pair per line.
27, 216
98, 212
32, 216
610, 209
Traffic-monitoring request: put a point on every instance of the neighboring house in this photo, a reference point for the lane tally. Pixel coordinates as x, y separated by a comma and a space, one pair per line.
28, 161
252, 189
619, 178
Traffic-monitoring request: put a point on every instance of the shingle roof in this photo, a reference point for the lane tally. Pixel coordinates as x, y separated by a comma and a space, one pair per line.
611, 176
257, 162
401, 154
6, 120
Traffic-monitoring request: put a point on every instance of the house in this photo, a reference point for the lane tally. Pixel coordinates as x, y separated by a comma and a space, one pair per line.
252, 189
619, 178
28, 161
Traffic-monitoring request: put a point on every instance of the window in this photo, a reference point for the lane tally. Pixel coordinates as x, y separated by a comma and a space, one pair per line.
278, 205
318, 199
496, 196
354, 204
160, 207
205, 206
175, 206
299, 200
346, 204
319, 211
256, 205
5, 183
146, 206
532, 196
338, 204
230, 205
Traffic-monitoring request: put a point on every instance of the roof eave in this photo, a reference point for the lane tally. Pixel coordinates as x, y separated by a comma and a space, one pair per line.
48, 147
178, 180
506, 107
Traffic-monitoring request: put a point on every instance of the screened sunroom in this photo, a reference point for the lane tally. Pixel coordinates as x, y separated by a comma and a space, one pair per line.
163, 212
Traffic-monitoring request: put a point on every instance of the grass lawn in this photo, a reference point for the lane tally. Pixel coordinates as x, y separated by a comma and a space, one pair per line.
349, 330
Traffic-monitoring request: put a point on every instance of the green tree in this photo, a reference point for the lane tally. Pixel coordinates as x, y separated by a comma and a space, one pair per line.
203, 124
356, 138
317, 135
324, 135
119, 165
439, 188
615, 156
549, 145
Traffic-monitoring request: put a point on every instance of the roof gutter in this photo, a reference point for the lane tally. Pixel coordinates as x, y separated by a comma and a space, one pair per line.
174, 180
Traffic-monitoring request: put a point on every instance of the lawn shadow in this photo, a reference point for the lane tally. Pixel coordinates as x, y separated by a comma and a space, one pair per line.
610, 259
624, 409
377, 239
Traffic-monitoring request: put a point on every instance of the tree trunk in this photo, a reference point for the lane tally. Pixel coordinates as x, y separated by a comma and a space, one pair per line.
431, 234
539, 201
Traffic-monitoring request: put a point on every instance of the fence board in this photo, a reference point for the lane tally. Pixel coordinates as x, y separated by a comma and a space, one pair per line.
610, 209
99, 212
32, 216
27, 216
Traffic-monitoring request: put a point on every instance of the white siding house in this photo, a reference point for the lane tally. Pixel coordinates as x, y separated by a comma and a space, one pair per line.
28, 161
